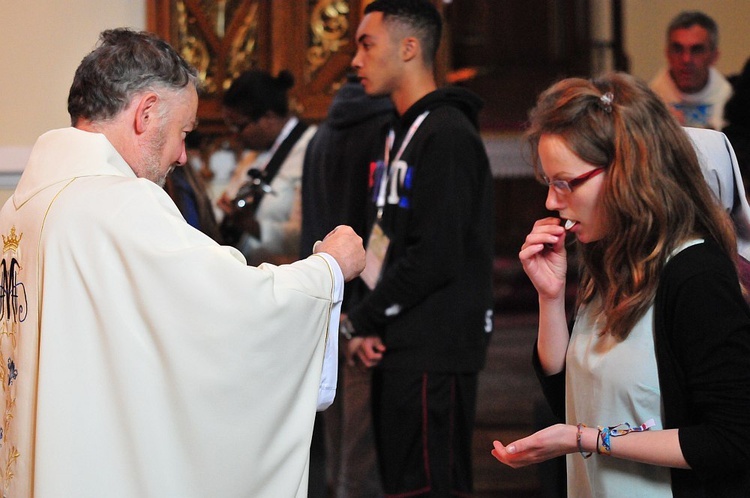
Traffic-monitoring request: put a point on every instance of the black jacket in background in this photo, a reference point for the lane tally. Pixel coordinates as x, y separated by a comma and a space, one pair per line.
337, 164
336, 169
433, 304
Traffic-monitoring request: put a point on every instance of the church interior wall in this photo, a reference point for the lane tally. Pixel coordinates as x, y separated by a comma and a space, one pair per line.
44, 42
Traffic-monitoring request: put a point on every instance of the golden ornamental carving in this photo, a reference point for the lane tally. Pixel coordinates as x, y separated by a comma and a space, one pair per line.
242, 50
219, 13
221, 25
329, 27
193, 47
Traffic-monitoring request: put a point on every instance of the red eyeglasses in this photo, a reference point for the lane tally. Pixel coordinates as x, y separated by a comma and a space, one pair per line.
567, 186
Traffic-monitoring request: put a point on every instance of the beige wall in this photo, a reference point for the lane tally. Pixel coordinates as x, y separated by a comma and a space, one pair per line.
41, 44
44, 40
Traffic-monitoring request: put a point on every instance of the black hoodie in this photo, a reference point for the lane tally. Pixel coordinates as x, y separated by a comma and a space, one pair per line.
433, 304
336, 168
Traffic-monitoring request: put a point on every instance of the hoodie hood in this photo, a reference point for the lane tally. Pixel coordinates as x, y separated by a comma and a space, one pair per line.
64, 154
351, 106
462, 99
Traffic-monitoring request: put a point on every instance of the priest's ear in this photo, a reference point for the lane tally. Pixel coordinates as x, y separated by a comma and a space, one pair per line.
147, 108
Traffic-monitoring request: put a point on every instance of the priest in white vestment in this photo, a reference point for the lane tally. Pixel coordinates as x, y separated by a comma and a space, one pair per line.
140, 358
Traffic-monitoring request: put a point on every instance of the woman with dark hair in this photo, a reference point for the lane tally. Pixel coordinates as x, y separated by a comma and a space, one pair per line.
654, 379
264, 216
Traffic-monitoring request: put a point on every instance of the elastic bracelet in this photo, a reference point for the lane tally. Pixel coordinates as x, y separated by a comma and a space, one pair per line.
579, 436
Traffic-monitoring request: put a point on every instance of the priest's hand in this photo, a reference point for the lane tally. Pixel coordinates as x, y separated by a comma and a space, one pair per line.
345, 246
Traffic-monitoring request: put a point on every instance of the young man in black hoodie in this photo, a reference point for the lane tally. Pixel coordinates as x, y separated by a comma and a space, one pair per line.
427, 322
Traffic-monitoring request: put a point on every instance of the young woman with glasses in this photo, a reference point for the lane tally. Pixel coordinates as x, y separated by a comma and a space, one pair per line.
653, 381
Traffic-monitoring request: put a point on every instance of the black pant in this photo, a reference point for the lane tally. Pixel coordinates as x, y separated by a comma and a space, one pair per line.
423, 428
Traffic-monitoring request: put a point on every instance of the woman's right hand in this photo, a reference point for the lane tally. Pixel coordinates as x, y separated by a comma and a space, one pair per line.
544, 258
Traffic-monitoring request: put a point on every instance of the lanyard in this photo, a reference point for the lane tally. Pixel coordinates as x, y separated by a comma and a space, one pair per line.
386, 157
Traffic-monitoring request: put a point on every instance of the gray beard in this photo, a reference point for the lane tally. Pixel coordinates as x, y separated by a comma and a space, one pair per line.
151, 162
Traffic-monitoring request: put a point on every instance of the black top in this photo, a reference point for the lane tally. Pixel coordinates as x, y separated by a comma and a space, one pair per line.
433, 304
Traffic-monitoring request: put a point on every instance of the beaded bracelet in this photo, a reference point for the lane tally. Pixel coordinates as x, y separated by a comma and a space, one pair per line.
579, 435
614, 431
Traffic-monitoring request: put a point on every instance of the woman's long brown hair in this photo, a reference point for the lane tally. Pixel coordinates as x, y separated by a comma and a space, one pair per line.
654, 196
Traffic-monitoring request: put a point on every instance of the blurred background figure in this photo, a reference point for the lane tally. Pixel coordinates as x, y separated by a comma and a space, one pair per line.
263, 219
722, 173
188, 191
737, 115
691, 87
334, 192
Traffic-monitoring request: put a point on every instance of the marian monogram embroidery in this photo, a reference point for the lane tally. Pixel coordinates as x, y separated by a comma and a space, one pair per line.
13, 311
13, 307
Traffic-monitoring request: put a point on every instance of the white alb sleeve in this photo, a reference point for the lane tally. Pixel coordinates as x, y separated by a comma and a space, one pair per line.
329, 376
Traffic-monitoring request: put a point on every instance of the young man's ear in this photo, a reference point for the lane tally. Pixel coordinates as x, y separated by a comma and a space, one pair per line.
145, 111
410, 48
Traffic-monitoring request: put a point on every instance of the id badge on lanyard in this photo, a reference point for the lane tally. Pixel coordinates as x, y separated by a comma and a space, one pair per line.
378, 242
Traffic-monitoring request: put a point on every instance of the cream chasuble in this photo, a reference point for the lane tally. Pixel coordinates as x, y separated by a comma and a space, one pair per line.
140, 358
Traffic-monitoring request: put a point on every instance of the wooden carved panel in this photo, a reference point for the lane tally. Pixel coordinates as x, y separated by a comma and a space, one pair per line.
313, 39
221, 38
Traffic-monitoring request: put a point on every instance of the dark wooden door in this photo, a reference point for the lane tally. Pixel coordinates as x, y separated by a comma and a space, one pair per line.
517, 48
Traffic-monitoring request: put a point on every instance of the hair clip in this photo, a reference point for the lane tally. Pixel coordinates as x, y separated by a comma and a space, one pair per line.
605, 102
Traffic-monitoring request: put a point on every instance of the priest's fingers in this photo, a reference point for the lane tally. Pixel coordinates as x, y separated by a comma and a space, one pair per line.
345, 246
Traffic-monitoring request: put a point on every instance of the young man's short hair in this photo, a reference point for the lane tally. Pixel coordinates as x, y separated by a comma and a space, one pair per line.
420, 17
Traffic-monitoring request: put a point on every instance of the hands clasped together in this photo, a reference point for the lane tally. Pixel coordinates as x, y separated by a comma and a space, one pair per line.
368, 350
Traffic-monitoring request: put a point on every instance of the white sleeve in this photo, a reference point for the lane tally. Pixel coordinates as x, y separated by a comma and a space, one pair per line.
329, 376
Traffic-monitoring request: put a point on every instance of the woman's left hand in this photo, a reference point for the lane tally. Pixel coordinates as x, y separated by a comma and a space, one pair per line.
554, 441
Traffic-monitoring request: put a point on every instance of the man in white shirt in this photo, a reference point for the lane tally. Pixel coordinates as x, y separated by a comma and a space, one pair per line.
691, 86
139, 357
